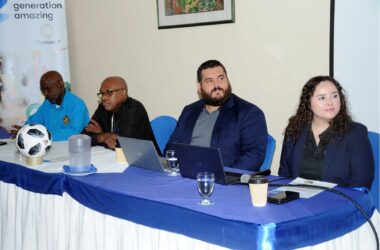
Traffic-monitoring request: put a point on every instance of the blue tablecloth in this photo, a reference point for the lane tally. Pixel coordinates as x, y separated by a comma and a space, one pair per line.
170, 203
31, 180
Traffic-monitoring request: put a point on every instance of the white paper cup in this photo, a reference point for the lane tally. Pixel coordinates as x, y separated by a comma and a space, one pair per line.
258, 187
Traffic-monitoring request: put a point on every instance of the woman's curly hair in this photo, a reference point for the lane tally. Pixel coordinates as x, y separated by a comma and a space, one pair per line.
304, 115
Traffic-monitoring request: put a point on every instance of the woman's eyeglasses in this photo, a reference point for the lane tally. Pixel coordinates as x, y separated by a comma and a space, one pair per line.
108, 92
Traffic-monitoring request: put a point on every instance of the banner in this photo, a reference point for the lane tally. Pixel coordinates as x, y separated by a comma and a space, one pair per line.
356, 58
33, 40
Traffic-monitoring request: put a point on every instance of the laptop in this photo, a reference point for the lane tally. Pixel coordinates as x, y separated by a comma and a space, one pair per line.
141, 153
194, 159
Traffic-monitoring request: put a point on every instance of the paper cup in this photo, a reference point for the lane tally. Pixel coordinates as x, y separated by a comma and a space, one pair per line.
258, 187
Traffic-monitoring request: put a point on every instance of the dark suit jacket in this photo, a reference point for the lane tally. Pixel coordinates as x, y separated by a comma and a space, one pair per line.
130, 120
348, 161
240, 132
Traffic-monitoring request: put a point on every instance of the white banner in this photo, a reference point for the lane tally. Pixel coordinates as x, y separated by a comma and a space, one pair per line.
356, 58
33, 40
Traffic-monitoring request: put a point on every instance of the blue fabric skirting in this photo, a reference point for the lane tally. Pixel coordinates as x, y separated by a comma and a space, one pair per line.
31, 180
170, 203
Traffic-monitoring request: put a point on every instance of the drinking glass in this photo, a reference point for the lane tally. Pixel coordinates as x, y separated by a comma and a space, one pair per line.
18, 157
171, 158
205, 184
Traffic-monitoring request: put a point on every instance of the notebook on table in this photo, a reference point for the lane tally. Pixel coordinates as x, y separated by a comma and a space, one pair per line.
141, 153
194, 159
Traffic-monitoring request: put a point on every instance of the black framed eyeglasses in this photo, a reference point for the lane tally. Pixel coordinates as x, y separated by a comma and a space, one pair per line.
108, 92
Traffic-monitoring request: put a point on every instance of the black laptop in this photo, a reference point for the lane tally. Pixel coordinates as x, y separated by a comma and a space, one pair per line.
194, 159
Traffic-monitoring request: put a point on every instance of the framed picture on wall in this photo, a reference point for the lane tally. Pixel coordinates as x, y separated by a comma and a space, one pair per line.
184, 13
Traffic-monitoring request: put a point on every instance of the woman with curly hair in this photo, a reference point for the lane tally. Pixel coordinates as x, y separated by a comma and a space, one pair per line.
322, 142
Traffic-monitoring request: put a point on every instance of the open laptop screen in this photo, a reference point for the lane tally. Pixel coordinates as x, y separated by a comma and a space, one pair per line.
140, 153
194, 159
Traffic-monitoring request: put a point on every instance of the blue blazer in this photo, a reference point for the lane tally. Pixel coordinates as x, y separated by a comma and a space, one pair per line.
348, 161
240, 132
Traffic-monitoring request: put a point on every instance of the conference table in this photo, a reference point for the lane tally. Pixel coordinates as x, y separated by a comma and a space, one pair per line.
126, 207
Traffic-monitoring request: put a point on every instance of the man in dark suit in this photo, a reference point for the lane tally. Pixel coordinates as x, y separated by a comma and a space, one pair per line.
223, 120
118, 114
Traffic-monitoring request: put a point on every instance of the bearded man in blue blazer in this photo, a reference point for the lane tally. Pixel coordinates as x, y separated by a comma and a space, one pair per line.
223, 120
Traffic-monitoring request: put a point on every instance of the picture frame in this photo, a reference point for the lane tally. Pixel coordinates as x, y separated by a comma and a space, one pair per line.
185, 13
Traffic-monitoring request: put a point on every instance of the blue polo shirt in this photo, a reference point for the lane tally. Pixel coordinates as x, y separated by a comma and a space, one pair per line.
64, 120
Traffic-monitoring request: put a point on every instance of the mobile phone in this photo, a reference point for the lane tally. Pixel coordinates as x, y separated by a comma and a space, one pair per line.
283, 197
2, 143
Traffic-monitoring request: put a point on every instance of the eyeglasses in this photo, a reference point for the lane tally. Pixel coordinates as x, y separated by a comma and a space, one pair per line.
108, 92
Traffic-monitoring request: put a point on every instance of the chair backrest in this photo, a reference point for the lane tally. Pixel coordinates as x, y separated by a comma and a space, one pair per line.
163, 126
374, 139
271, 146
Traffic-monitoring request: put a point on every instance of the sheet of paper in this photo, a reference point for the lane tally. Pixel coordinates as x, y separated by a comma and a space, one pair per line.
305, 192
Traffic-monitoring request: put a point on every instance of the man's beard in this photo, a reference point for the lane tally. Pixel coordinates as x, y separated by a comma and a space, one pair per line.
216, 101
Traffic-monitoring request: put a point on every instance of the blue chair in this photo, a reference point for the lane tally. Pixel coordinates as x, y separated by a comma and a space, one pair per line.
163, 126
374, 139
271, 146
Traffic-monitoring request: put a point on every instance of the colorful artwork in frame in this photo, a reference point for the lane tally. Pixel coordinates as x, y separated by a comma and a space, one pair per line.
182, 13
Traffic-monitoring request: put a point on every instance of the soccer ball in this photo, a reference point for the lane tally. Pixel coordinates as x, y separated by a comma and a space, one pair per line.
33, 140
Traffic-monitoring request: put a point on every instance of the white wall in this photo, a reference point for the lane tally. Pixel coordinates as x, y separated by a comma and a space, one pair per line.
271, 50
356, 57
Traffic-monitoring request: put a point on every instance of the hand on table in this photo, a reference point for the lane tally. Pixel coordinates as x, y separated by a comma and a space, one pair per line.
109, 139
14, 130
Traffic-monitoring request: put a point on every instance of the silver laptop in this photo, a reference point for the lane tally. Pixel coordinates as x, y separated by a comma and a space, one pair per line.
141, 153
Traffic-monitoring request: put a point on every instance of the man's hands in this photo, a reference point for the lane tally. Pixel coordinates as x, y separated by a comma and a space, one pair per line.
14, 130
109, 139
94, 127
